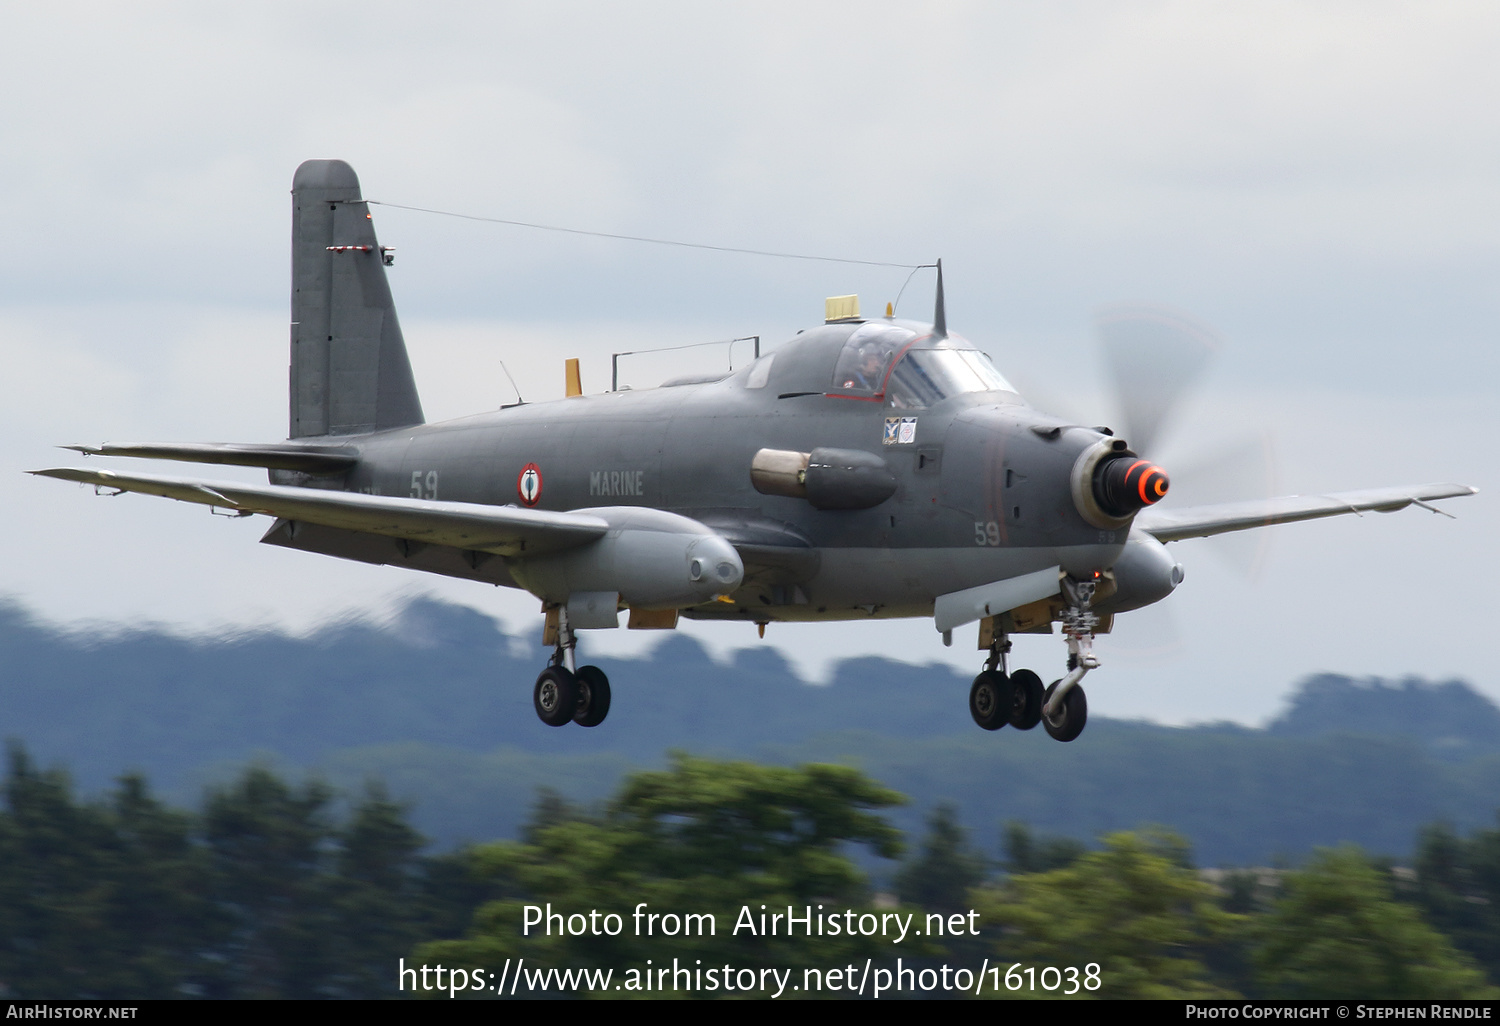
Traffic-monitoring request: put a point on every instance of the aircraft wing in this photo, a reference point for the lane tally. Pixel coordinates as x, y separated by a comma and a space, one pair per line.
1201, 521
504, 530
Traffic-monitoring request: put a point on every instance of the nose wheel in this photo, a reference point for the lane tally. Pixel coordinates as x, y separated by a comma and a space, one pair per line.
1064, 720
563, 694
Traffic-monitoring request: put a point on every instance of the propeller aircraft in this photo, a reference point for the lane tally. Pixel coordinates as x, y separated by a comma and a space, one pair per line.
866, 468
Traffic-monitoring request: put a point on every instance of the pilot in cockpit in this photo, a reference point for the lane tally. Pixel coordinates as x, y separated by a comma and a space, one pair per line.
869, 373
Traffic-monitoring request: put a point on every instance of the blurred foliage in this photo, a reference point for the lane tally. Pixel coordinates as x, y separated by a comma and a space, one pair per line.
702, 837
1028, 852
939, 877
1338, 932
266, 893
1135, 908
1458, 888
274, 889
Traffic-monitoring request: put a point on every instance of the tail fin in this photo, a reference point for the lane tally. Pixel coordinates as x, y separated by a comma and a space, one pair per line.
350, 372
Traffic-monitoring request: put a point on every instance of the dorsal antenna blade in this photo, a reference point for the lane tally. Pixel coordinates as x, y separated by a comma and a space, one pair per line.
939, 315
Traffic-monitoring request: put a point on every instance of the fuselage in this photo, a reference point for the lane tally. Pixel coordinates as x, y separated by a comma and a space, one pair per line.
982, 481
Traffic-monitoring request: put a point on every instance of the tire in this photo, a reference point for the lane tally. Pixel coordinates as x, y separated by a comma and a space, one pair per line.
990, 699
555, 696
1026, 700
1071, 718
593, 696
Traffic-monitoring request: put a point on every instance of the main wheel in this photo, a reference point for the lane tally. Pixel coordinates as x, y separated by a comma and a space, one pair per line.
555, 696
593, 696
1026, 700
1068, 723
990, 699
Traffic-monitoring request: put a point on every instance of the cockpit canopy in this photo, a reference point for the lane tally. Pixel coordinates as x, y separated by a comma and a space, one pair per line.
911, 371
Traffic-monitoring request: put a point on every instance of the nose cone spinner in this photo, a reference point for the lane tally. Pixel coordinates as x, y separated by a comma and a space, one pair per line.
1126, 484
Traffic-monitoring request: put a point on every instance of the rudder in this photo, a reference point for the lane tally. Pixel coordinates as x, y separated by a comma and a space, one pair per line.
349, 370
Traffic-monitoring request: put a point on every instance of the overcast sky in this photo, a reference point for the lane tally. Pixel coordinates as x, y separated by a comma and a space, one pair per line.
1320, 183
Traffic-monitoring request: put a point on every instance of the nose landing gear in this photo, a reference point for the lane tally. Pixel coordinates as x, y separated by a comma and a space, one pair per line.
997, 697
564, 694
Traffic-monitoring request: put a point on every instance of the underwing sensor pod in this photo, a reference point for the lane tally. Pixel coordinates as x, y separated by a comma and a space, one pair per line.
866, 468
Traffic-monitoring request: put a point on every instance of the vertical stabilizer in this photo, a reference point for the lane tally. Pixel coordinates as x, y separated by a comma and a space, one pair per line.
350, 373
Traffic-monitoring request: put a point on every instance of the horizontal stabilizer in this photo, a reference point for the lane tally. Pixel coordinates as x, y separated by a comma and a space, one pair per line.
960, 607
1201, 521
504, 530
309, 459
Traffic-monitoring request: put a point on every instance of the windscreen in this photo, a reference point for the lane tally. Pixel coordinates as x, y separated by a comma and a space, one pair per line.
931, 371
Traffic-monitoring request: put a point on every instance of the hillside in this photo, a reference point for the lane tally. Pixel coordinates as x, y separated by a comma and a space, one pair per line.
439, 706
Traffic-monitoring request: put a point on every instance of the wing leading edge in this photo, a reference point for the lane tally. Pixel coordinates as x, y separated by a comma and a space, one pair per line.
1201, 521
503, 530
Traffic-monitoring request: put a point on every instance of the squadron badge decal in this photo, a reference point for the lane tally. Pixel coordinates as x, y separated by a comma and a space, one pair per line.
900, 430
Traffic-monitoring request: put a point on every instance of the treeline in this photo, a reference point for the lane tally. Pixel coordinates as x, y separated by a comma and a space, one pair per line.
268, 891
280, 890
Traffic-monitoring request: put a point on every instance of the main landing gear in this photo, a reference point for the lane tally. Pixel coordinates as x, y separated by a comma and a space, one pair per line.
998, 697
563, 693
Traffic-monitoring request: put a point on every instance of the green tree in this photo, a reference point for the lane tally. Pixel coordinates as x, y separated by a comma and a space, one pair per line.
701, 837
160, 913
1133, 908
940, 877
266, 893
1025, 852
54, 891
97, 899
1338, 932
268, 844
377, 895
1458, 889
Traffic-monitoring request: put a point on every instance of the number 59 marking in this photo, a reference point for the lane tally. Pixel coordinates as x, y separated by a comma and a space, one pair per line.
417, 489
986, 532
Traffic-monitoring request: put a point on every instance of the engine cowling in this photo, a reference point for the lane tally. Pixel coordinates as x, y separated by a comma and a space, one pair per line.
650, 558
1111, 484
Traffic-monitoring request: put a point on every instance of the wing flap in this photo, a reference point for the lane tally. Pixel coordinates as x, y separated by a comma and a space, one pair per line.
960, 607
1201, 521
504, 530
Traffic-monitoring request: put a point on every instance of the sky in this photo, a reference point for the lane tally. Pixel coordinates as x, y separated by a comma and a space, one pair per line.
1319, 183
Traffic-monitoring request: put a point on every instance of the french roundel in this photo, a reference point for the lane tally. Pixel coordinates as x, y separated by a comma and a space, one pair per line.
529, 484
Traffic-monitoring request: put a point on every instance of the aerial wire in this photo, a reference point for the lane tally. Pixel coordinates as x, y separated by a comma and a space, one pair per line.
897, 304
642, 238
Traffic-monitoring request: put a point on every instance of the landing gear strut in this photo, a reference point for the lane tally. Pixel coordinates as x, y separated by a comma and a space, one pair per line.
1066, 708
564, 693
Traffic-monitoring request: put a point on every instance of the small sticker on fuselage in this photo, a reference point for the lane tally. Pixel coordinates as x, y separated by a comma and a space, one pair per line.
529, 484
900, 430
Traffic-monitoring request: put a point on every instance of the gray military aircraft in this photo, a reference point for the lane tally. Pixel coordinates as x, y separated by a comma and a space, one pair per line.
866, 468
